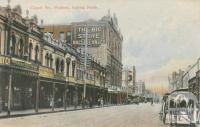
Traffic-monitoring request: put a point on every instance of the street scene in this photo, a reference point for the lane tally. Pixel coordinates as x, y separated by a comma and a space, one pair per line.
144, 115
102, 63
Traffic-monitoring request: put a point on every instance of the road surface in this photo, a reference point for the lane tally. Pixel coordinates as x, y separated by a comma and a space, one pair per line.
142, 115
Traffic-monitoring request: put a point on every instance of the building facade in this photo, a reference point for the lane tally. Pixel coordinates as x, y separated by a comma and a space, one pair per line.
177, 81
38, 71
128, 81
104, 43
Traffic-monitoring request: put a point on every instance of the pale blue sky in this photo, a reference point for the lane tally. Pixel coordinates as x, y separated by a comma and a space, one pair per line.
160, 36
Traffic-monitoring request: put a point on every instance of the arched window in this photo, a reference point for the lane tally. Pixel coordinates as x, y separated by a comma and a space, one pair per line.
36, 53
51, 60
30, 50
73, 68
57, 65
13, 44
62, 66
21, 47
68, 65
47, 59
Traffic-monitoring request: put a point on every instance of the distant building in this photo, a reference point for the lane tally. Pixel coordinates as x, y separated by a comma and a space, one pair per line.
134, 78
140, 88
60, 32
128, 80
176, 80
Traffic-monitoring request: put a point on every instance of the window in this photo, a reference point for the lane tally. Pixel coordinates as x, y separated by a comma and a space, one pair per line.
68, 65
73, 68
51, 61
47, 59
82, 73
57, 65
36, 53
13, 44
69, 36
62, 66
30, 50
21, 47
62, 36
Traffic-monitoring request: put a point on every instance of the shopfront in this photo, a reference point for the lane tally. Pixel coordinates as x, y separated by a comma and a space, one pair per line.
18, 78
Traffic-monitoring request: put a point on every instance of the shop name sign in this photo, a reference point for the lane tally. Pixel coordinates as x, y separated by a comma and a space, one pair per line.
24, 64
95, 35
4, 60
46, 72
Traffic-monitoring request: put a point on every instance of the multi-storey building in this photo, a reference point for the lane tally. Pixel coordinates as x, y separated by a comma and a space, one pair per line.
176, 81
104, 42
140, 88
60, 32
38, 71
128, 82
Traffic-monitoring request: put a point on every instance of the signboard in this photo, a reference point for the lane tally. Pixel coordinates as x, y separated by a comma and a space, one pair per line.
24, 64
59, 76
95, 35
46, 72
4, 60
26, 73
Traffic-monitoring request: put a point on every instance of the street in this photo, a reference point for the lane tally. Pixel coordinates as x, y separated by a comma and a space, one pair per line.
142, 115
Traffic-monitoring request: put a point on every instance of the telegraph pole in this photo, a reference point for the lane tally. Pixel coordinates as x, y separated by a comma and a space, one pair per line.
198, 77
127, 84
85, 66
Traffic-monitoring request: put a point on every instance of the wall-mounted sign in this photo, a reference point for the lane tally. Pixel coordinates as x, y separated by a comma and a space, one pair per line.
26, 73
4, 60
95, 35
24, 64
59, 76
46, 72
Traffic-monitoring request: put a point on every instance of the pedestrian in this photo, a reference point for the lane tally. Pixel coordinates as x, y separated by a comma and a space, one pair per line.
152, 102
90, 102
101, 101
51, 102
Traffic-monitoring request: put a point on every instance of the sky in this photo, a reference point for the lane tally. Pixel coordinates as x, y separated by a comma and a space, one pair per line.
160, 36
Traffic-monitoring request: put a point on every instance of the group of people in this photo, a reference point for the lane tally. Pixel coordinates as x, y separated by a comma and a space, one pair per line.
89, 102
